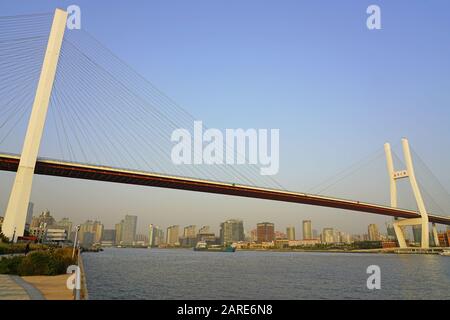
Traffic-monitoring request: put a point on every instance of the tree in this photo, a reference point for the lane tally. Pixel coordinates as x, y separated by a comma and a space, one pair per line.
3, 238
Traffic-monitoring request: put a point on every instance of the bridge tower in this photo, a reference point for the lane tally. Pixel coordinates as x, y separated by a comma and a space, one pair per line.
408, 173
16, 211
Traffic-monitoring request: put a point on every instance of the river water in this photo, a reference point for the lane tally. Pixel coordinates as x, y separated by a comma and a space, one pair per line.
184, 274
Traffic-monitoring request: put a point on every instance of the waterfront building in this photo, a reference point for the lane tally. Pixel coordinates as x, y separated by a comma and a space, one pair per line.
417, 233
38, 232
29, 216
374, 234
56, 235
328, 235
280, 235
231, 231
253, 235
90, 227
265, 232
129, 229
205, 235
209, 238
45, 218
40, 224
390, 231
204, 229
119, 230
189, 231
189, 238
444, 238
109, 237
303, 243
346, 238
290, 231
307, 230
155, 236
172, 235
281, 243
66, 224
88, 239
141, 240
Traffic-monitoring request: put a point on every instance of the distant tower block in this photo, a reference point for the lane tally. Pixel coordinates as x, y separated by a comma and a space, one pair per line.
16, 211
408, 173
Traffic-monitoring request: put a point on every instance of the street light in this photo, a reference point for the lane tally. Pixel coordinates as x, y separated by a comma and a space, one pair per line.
75, 242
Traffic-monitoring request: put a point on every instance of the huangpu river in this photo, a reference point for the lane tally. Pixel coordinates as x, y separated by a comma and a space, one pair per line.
119, 273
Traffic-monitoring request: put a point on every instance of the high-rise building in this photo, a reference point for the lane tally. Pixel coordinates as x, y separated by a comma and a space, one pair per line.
265, 232
141, 240
417, 233
290, 231
204, 229
172, 235
155, 236
231, 231
390, 231
119, 231
109, 237
66, 224
189, 231
346, 238
328, 235
253, 235
374, 235
29, 216
129, 229
307, 230
45, 218
280, 235
40, 224
95, 231
315, 234
189, 238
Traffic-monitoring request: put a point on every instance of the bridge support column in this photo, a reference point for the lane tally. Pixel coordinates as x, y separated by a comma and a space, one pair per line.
16, 211
408, 173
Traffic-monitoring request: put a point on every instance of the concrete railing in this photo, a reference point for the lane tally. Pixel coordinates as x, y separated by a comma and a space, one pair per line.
84, 292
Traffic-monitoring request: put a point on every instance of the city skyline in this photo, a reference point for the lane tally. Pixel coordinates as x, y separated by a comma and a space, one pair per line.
373, 232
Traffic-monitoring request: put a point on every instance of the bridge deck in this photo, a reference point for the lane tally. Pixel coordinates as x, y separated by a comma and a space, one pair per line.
101, 173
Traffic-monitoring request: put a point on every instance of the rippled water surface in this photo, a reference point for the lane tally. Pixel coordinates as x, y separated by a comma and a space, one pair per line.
185, 274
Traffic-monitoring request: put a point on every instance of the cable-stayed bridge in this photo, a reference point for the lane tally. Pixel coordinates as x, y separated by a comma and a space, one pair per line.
105, 116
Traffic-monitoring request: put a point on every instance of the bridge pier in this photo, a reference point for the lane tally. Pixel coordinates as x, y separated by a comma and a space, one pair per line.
16, 211
408, 173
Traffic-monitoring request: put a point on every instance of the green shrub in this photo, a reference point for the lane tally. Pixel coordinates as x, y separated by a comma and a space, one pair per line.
46, 263
10, 265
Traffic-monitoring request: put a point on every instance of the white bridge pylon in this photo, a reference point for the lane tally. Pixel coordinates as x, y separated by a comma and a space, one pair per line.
408, 173
16, 211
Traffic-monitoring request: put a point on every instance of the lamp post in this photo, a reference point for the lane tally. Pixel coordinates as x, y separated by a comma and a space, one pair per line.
76, 240
14, 236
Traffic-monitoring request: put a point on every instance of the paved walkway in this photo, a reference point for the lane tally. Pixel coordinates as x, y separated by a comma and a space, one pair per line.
15, 288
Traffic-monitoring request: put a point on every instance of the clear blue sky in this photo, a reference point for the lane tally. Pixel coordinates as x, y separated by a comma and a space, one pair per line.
336, 90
